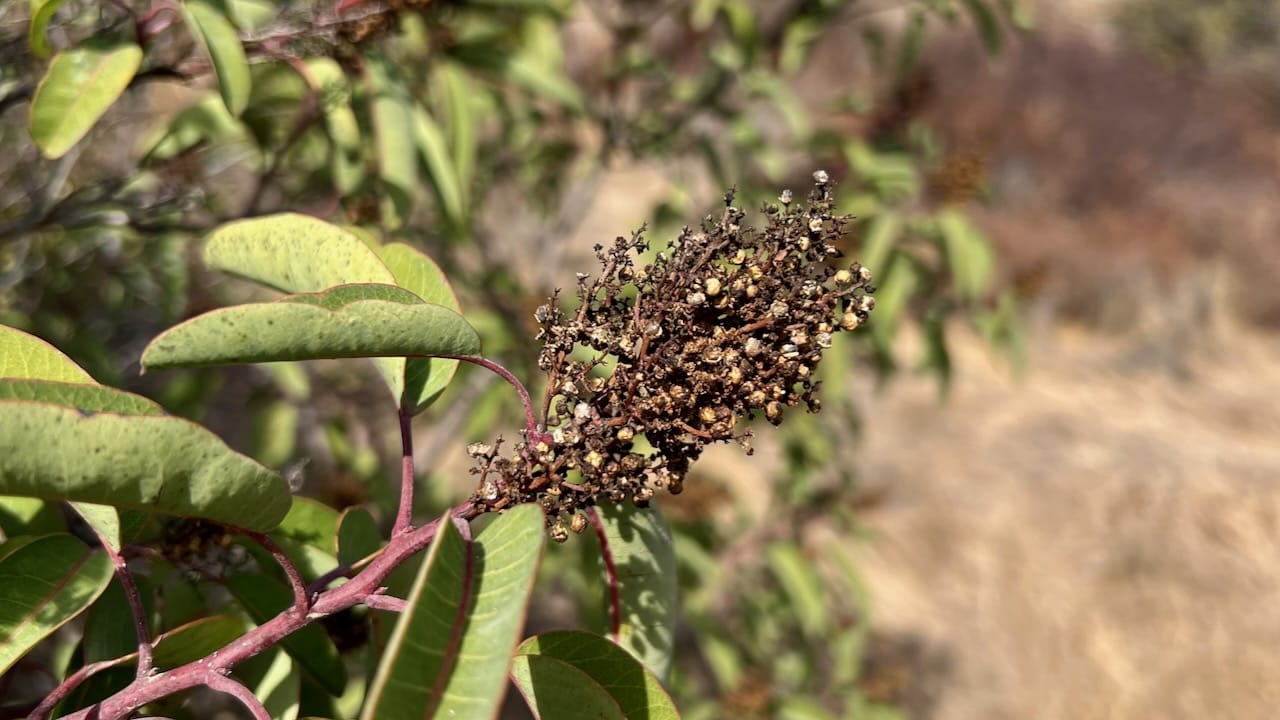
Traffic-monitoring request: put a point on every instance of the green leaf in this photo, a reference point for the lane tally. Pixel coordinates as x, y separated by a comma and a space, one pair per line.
329, 82
294, 254
896, 286
555, 689
218, 39
104, 521
430, 140
79, 86
358, 536
796, 575
969, 255
28, 516
194, 640
27, 356
394, 132
638, 694
304, 328
86, 398
449, 654
459, 92
878, 242
108, 628
42, 11
263, 598
424, 378
309, 521
644, 555
280, 687
148, 463
988, 25
47, 582
206, 120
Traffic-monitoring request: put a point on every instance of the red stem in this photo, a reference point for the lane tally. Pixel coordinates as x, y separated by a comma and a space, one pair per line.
610, 576
404, 517
131, 593
235, 689
366, 584
301, 599
72, 682
533, 431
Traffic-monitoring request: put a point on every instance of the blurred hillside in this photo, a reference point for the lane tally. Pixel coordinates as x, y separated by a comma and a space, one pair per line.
1094, 538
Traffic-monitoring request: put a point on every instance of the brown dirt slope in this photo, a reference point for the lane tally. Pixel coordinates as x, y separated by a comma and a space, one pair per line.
1099, 539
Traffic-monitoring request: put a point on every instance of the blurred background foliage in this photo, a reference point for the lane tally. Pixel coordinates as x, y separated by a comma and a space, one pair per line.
483, 132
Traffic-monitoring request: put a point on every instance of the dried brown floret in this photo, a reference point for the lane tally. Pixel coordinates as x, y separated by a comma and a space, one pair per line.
729, 323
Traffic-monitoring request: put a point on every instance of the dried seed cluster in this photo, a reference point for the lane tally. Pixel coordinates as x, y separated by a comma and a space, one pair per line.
659, 361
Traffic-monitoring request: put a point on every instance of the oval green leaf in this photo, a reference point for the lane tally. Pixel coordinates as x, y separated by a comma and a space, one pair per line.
450, 651
358, 536
298, 328
83, 397
280, 688
24, 355
644, 556
42, 12
294, 254
80, 85
635, 690
429, 137
196, 639
147, 463
424, 378
330, 84
47, 582
220, 42
263, 598
309, 521
393, 126
556, 690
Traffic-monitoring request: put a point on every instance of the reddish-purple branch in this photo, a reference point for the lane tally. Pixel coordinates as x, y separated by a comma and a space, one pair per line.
235, 689
610, 576
533, 431
366, 584
72, 682
384, 602
135, 603
404, 517
301, 599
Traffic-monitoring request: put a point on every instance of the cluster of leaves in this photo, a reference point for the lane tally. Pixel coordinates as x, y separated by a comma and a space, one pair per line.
120, 461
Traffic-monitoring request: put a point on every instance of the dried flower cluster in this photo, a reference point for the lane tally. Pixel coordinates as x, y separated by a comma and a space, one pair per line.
659, 361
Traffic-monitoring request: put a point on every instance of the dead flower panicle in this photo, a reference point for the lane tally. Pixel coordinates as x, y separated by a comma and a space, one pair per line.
659, 361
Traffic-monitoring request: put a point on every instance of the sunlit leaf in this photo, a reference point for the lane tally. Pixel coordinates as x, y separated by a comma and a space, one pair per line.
554, 688
393, 128
633, 689
220, 42
149, 463
26, 356
643, 554
344, 322
79, 86
424, 378
42, 11
280, 687
47, 582
449, 654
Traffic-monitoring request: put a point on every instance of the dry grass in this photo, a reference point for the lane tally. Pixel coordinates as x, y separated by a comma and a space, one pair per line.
1097, 540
